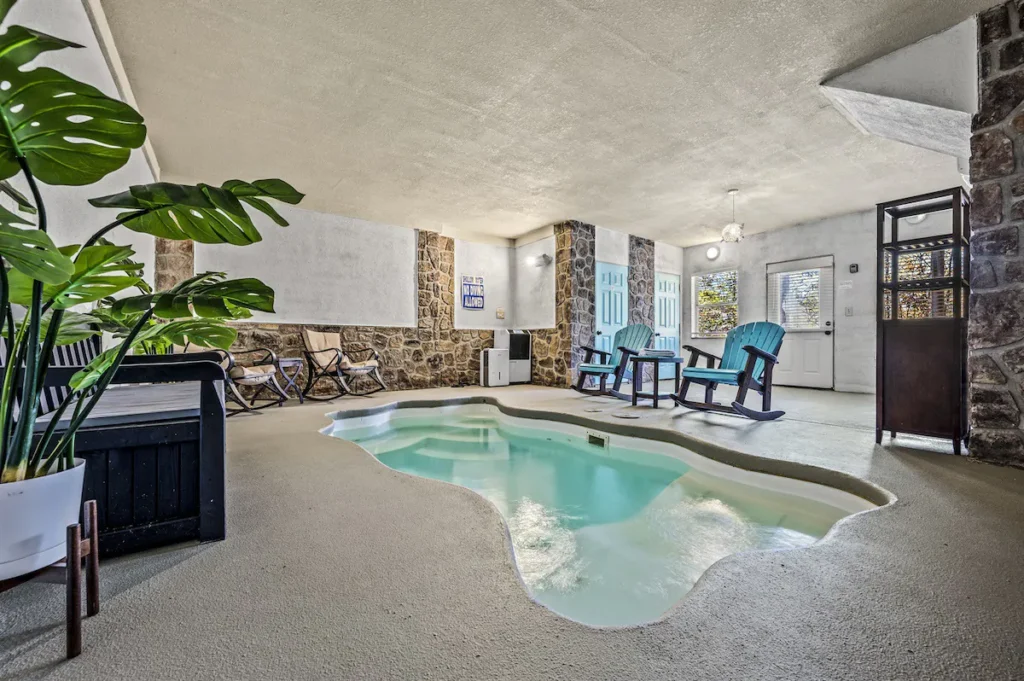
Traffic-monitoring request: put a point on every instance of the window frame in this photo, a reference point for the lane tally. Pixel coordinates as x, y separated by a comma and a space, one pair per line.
695, 306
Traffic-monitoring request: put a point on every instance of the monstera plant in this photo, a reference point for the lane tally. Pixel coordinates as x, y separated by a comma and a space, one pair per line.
58, 131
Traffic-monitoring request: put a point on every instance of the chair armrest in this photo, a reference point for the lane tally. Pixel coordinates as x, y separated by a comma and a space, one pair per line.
626, 351
701, 352
311, 355
355, 351
758, 352
268, 355
592, 351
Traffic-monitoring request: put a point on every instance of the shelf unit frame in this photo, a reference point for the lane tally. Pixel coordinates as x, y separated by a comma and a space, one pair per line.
921, 364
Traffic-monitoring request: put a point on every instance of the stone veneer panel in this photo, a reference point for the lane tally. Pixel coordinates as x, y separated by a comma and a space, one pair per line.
996, 327
581, 299
641, 287
174, 262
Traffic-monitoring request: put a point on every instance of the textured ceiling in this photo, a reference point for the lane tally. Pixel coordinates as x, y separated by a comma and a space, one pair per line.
500, 116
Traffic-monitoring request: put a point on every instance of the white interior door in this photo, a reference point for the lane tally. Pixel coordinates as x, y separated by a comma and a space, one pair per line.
800, 299
666, 318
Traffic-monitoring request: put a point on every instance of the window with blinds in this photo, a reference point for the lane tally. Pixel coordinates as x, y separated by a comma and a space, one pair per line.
715, 304
800, 294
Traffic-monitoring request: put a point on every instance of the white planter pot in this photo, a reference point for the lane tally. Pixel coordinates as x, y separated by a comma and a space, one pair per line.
34, 517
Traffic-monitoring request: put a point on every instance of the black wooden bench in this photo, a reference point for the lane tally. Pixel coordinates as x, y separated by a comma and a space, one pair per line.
154, 447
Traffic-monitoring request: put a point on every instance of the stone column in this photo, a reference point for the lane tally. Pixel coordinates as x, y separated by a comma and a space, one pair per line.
996, 328
174, 262
582, 313
641, 287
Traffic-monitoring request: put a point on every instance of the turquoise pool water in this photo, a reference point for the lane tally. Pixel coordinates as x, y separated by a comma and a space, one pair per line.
607, 537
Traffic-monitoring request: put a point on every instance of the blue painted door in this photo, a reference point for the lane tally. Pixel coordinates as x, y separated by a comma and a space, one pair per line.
612, 303
666, 318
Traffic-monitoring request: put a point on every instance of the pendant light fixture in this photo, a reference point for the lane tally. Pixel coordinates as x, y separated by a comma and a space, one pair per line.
733, 231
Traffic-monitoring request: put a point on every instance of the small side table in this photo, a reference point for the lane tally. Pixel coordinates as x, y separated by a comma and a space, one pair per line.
638, 362
296, 363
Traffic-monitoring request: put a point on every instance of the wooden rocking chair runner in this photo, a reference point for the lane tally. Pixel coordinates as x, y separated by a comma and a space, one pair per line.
325, 358
627, 341
750, 354
259, 373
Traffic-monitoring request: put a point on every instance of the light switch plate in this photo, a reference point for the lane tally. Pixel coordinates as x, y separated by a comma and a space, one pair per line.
500, 313
849, 311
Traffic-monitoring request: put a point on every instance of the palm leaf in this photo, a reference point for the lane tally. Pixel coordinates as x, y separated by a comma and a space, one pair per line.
24, 205
74, 327
206, 296
69, 132
203, 213
32, 254
201, 332
99, 271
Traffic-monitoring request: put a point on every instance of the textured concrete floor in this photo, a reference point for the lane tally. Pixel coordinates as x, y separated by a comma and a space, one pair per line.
338, 568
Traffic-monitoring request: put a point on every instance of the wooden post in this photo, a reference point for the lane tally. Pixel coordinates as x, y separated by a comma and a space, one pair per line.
73, 574
92, 564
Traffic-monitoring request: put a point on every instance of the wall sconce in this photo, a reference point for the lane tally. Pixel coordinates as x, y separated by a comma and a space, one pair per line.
539, 260
713, 252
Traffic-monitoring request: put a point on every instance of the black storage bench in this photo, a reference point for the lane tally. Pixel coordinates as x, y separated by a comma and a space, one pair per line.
154, 451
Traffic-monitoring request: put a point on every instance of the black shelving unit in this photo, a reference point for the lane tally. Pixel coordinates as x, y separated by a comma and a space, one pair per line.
923, 290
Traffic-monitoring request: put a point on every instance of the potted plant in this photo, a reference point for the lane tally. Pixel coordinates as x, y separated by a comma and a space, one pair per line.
58, 131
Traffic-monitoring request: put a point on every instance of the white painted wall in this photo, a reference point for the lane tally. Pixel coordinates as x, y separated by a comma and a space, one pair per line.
327, 269
611, 247
668, 258
71, 219
534, 286
496, 265
851, 239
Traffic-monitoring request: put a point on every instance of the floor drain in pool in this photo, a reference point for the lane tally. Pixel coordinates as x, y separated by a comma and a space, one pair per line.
625, 415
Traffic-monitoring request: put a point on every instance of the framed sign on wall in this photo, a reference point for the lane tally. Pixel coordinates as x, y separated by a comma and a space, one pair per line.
473, 293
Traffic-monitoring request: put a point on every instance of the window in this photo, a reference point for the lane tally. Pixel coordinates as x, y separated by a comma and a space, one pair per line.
715, 305
796, 299
800, 294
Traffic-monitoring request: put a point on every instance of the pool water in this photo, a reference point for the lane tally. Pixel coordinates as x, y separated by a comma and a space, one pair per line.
604, 536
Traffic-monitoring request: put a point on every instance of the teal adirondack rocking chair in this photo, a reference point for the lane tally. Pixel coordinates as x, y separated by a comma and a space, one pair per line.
750, 355
627, 341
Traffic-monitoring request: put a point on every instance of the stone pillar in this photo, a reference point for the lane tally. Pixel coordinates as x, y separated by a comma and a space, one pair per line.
641, 287
996, 328
581, 312
174, 262
556, 352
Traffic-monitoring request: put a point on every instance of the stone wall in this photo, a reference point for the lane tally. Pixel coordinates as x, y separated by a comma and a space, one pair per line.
996, 327
435, 353
432, 355
641, 287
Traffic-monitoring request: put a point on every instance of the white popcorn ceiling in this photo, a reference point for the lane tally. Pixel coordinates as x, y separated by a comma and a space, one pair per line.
497, 117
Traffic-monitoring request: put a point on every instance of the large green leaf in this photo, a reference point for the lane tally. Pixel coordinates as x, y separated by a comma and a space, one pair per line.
24, 205
31, 253
203, 213
207, 296
202, 332
74, 327
69, 132
99, 271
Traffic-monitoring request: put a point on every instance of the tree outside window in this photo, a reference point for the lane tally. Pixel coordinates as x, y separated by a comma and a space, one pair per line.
716, 306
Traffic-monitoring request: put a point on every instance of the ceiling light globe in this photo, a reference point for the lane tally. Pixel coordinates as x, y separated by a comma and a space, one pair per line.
713, 252
732, 232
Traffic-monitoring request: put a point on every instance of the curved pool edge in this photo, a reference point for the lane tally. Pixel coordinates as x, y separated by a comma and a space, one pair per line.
805, 472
